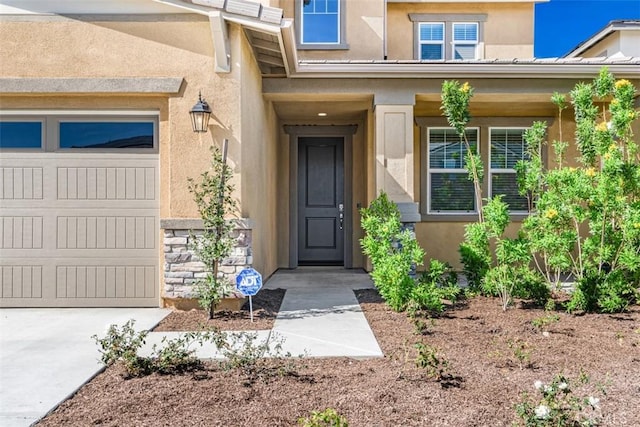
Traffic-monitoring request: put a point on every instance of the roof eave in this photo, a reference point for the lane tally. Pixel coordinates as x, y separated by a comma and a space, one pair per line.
491, 70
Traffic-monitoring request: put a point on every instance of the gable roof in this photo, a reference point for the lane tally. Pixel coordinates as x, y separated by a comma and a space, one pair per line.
610, 28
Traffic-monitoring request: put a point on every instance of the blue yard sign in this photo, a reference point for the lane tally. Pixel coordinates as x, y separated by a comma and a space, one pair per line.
249, 282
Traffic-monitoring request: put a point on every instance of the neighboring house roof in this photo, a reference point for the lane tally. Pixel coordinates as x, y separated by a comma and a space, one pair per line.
610, 28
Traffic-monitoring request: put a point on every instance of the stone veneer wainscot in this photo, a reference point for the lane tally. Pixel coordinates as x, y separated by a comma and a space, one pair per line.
182, 268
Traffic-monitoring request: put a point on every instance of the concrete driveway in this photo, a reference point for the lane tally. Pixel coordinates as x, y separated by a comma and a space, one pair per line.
47, 354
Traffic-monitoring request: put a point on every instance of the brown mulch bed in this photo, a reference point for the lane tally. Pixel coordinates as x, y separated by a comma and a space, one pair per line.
485, 376
266, 304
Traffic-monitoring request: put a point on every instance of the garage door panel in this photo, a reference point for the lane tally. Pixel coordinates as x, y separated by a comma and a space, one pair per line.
106, 183
106, 232
105, 281
21, 281
21, 183
79, 230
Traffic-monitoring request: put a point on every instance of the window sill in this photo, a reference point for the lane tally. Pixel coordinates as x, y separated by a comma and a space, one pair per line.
465, 217
323, 46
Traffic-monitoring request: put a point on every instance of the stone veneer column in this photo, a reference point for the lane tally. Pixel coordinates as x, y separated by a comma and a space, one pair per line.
394, 159
182, 268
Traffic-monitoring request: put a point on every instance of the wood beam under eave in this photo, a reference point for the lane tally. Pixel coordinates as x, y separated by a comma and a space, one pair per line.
220, 42
271, 60
263, 44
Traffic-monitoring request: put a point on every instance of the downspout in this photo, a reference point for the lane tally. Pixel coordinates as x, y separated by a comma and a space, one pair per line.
384, 30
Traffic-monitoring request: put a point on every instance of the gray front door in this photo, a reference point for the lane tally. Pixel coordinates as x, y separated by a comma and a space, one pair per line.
321, 201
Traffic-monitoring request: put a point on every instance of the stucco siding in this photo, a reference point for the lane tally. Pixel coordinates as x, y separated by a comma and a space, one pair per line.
258, 147
508, 30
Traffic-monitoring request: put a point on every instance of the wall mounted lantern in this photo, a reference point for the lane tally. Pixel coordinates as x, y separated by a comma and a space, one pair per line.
200, 114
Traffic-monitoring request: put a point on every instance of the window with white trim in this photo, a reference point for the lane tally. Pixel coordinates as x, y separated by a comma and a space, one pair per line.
446, 36
465, 40
431, 40
507, 148
321, 24
449, 189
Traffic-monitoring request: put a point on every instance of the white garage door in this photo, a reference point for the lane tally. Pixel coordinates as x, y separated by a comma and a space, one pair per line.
79, 213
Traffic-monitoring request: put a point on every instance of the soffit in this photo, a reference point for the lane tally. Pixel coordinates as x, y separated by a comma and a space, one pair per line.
262, 25
302, 111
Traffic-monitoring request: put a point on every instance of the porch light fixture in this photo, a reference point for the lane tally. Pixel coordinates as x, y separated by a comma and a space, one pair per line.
322, 114
200, 114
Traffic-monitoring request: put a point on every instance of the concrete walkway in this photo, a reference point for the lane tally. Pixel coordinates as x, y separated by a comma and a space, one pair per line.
47, 354
319, 316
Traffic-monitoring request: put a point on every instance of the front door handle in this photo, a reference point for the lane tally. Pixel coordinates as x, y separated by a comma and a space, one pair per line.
341, 215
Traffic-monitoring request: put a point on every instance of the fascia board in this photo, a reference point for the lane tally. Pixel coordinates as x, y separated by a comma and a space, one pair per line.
186, 6
630, 70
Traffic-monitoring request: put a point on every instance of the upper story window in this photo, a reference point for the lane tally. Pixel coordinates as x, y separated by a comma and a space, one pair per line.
321, 24
465, 40
431, 35
447, 36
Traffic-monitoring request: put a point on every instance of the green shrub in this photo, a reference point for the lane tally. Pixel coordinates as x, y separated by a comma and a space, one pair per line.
557, 406
172, 356
327, 418
587, 219
394, 252
438, 283
605, 292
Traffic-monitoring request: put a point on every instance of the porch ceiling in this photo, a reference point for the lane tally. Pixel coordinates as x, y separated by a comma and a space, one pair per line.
307, 110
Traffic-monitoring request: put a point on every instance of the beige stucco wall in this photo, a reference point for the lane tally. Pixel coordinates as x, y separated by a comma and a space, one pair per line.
258, 174
160, 46
364, 31
138, 46
508, 30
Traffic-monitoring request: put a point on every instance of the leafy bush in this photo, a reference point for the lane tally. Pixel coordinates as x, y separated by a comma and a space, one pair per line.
327, 418
256, 359
123, 345
475, 254
557, 406
600, 197
511, 276
393, 252
438, 283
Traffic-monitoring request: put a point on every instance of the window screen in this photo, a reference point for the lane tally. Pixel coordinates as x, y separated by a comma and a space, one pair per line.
507, 148
450, 190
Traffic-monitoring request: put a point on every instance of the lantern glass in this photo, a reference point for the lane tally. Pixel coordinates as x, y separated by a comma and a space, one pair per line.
200, 114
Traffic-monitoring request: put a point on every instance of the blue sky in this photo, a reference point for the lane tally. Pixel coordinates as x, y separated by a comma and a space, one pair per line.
560, 25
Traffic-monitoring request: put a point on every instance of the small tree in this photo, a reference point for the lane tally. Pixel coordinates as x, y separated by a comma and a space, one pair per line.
212, 194
587, 220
